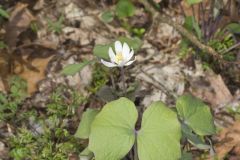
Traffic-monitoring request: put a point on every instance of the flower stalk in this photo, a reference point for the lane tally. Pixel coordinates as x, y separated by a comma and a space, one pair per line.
123, 80
121, 56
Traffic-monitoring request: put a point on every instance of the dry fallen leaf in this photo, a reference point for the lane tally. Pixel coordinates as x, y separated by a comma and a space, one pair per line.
19, 21
228, 139
73, 12
211, 88
39, 5
33, 77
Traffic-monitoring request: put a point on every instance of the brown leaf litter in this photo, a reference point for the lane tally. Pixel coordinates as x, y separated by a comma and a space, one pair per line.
228, 140
33, 77
19, 21
211, 88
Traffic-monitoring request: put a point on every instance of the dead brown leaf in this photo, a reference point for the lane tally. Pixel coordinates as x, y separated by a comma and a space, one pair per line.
33, 77
228, 139
211, 89
39, 5
19, 21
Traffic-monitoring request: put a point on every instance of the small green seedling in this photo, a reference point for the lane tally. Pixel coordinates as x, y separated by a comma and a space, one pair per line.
57, 26
4, 13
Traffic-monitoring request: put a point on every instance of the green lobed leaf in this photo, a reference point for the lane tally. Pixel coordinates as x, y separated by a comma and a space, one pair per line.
191, 2
134, 43
107, 93
159, 137
125, 8
195, 114
107, 16
72, 69
83, 130
112, 132
101, 51
193, 138
186, 156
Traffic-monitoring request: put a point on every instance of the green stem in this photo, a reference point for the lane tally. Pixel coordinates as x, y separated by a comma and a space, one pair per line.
135, 151
123, 80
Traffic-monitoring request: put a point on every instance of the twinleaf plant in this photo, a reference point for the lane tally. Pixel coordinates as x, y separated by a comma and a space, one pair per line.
112, 133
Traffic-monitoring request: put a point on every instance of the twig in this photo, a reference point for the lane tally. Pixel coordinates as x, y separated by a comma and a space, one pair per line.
166, 19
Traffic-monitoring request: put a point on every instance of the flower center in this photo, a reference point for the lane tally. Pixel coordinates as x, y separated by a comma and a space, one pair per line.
119, 58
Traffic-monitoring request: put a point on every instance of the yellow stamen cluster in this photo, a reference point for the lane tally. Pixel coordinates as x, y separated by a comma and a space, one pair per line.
119, 58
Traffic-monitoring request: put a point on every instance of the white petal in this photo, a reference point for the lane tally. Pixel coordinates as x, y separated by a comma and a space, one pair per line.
130, 55
125, 50
122, 64
111, 54
130, 62
118, 47
108, 64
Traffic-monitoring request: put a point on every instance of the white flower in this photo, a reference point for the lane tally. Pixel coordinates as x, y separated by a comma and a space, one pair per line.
122, 56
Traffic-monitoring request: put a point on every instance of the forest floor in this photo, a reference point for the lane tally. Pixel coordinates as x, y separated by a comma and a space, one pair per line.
41, 107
